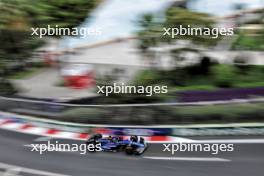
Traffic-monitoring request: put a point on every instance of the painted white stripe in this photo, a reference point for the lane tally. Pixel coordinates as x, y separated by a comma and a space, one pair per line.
43, 139
2, 120
66, 135
9, 167
12, 126
187, 158
61, 135
11, 171
36, 130
233, 141
172, 139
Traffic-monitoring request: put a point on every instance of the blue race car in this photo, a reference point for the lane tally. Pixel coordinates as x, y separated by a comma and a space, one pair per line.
135, 145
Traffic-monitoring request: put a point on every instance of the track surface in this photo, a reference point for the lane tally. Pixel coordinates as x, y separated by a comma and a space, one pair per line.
246, 160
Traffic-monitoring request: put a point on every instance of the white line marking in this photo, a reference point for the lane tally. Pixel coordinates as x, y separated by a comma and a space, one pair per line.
12, 172
43, 139
188, 159
12, 126
233, 141
172, 139
9, 168
2, 121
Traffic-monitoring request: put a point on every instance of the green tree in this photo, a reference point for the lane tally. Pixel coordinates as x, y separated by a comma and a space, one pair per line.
152, 33
18, 16
64, 13
224, 75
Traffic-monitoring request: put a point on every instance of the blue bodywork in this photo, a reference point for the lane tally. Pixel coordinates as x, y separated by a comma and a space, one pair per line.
115, 144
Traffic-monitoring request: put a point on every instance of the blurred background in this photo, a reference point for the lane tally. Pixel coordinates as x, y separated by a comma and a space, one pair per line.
48, 86
209, 80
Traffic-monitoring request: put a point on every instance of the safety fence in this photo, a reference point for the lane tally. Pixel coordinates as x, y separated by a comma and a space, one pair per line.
231, 111
151, 130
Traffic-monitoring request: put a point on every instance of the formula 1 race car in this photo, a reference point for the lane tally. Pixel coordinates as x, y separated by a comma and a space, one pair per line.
135, 145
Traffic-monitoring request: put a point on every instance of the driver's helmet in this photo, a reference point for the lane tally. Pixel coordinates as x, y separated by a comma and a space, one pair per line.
134, 138
115, 139
120, 138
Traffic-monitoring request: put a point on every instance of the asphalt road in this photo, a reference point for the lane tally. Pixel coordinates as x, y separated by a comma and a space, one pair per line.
245, 160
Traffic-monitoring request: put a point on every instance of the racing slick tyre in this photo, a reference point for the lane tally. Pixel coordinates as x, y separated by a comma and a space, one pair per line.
129, 150
93, 140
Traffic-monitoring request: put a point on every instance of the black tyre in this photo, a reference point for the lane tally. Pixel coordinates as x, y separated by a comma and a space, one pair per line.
129, 150
97, 136
94, 139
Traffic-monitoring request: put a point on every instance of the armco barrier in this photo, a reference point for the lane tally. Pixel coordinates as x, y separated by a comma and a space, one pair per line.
239, 129
144, 113
157, 130
197, 103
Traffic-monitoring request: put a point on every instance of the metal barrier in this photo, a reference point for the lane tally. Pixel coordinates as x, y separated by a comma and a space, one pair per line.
155, 130
153, 113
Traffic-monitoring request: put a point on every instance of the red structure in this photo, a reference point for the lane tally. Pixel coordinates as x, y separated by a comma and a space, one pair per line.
78, 76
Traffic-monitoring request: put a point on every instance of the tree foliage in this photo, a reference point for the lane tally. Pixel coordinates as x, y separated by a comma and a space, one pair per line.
64, 13
152, 33
18, 16
16, 19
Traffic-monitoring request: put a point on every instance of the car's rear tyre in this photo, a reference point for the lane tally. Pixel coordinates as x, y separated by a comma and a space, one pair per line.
94, 140
129, 150
97, 136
